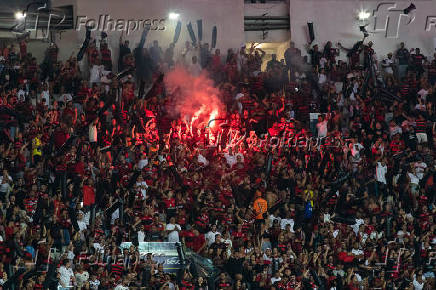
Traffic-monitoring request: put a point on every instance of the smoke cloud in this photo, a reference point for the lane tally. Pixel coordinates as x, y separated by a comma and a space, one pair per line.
194, 97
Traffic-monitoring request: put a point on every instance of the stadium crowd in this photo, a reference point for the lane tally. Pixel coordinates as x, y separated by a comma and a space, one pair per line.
91, 159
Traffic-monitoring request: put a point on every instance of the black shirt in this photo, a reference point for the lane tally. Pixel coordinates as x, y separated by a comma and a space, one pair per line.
403, 56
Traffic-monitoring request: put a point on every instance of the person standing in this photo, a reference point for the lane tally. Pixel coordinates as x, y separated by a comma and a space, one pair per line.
402, 56
96, 72
156, 53
124, 50
432, 71
260, 207
92, 133
417, 62
106, 56
321, 126
66, 275
173, 230
388, 65
315, 55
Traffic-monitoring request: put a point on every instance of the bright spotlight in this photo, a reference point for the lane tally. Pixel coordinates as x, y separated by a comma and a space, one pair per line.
174, 16
19, 15
363, 15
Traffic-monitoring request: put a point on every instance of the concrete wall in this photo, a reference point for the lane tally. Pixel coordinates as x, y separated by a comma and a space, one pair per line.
270, 9
227, 15
67, 40
337, 20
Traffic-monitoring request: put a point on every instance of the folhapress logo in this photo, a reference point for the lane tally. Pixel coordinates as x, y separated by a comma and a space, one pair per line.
388, 18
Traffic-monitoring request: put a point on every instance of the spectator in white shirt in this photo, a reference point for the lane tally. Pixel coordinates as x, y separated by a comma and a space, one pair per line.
381, 171
423, 93
96, 73
66, 275
45, 96
143, 161
93, 133
394, 129
82, 224
195, 68
210, 236
81, 276
141, 234
322, 78
321, 126
387, 65
414, 180
287, 221
141, 186
21, 95
232, 159
418, 280
420, 167
173, 230
122, 285
276, 277
94, 283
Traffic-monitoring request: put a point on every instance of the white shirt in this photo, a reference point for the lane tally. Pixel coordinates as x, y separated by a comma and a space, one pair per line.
143, 188
92, 133
322, 78
173, 236
272, 218
115, 215
81, 278
66, 98
241, 60
95, 73
401, 235
380, 172
195, 69
45, 95
413, 178
94, 284
420, 168
322, 62
423, 93
357, 225
142, 163
355, 151
285, 222
5, 188
386, 64
82, 225
98, 248
141, 236
70, 255
420, 107
417, 285
322, 128
66, 275
210, 237
231, 159
21, 95
229, 246
395, 130
203, 160
9, 178
187, 54
357, 252
274, 279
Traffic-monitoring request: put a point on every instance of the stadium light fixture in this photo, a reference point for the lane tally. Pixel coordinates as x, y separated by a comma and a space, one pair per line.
363, 15
20, 15
174, 16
